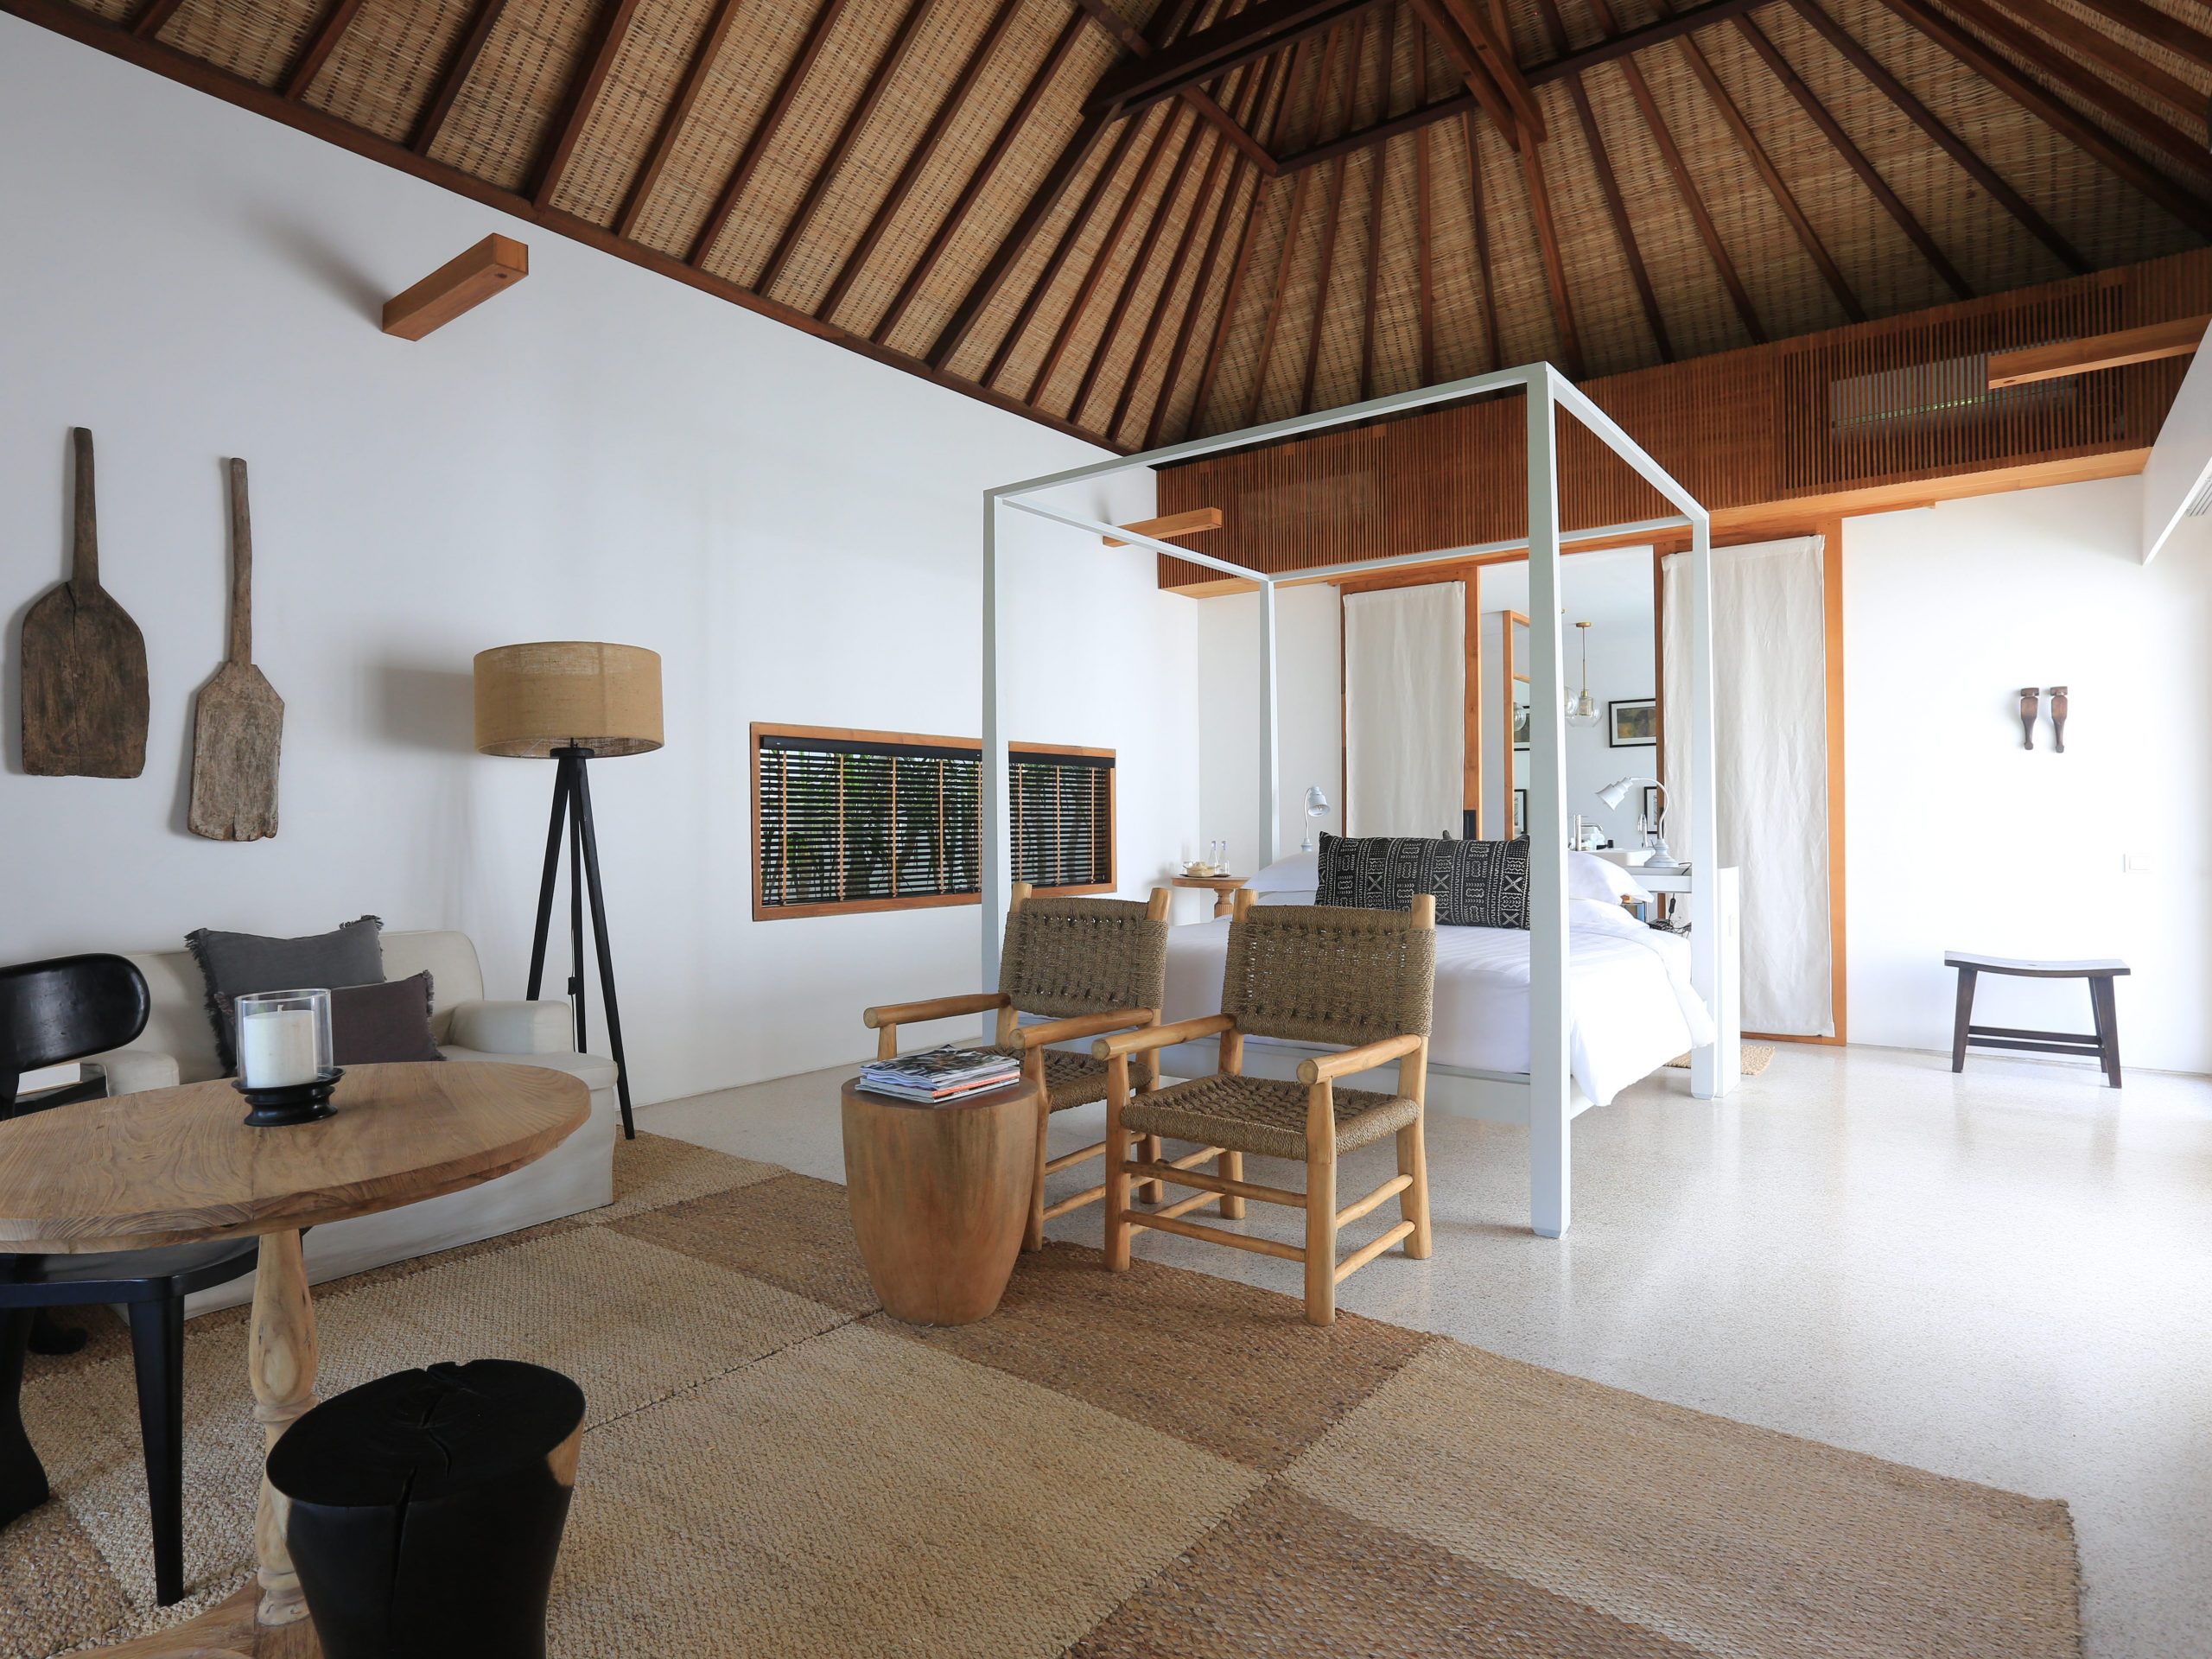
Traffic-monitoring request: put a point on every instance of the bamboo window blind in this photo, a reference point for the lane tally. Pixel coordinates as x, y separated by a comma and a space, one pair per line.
848, 820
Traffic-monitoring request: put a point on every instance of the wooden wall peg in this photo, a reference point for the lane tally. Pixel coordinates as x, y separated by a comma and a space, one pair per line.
2031, 700
459, 285
2058, 718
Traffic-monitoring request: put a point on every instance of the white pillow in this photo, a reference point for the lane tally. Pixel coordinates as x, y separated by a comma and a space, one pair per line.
1589, 876
1299, 873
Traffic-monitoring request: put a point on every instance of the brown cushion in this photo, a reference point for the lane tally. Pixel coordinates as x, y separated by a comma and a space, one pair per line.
371, 1024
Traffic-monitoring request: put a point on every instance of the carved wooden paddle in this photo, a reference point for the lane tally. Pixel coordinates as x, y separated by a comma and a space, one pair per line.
240, 720
84, 663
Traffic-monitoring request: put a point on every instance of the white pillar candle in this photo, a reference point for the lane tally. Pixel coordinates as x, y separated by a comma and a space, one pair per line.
276, 1050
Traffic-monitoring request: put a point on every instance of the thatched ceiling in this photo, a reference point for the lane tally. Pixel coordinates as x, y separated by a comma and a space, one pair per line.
1147, 222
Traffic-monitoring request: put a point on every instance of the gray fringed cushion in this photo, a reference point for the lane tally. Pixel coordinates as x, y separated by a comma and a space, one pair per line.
237, 964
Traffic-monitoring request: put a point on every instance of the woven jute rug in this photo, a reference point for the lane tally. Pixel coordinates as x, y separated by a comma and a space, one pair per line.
1754, 1058
1156, 1464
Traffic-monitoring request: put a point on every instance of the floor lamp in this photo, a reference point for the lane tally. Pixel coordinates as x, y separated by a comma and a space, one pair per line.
570, 702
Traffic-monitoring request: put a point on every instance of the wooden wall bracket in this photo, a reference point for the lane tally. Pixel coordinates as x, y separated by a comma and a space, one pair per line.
460, 284
2030, 700
2058, 718
2147, 344
1175, 525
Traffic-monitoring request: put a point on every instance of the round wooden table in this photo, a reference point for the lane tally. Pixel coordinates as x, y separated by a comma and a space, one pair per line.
940, 1197
1223, 888
179, 1166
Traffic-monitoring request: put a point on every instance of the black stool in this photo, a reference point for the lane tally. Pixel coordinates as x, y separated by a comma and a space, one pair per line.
427, 1510
2104, 1047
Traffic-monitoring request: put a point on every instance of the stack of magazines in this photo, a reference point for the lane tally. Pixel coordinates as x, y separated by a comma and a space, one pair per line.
940, 1074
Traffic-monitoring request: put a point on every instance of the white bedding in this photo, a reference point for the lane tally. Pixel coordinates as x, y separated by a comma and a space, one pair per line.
1630, 999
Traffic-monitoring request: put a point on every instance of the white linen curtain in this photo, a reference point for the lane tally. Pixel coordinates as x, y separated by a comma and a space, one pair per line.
1405, 709
1770, 665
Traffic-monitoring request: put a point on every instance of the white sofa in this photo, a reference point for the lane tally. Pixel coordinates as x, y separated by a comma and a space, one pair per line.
178, 1046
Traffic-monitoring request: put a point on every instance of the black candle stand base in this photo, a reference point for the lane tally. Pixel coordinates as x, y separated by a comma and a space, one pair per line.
296, 1103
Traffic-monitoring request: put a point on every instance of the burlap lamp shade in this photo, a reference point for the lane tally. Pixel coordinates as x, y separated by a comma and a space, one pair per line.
533, 699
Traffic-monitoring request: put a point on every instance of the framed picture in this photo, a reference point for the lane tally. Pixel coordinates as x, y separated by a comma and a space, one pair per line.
1650, 808
1633, 724
1520, 815
1519, 725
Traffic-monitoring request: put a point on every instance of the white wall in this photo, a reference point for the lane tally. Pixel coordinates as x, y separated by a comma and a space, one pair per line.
1309, 641
598, 454
1959, 838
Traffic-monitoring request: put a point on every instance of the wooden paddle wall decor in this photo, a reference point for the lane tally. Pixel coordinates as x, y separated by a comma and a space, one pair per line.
84, 663
240, 720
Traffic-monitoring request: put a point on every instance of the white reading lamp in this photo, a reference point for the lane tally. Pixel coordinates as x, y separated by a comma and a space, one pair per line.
1616, 792
1316, 804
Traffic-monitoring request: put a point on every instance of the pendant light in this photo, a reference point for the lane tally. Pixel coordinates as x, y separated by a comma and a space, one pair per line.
1580, 710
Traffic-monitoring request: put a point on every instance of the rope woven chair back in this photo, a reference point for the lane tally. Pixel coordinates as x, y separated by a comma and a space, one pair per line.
1329, 974
1066, 956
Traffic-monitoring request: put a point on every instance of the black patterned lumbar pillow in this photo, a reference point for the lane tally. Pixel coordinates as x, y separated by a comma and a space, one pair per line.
1476, 883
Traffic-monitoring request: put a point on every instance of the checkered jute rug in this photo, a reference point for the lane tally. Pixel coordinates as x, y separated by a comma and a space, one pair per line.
1156, 1464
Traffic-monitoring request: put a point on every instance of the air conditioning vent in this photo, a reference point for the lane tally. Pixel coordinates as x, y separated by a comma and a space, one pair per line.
2200, 500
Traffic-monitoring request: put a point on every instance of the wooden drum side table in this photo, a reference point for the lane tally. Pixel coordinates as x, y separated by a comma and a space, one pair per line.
177, 1166
940, 1197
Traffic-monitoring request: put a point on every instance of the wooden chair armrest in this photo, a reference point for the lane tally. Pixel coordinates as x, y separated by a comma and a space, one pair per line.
1080, 1025
1328, 1067
936, 1007
1183, 1031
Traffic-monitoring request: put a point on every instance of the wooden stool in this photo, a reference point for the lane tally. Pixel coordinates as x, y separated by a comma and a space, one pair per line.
2104, 1046
427, 1510
940, 1197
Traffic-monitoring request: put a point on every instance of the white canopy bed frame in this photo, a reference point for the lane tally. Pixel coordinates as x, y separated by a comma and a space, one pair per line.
1548, 1088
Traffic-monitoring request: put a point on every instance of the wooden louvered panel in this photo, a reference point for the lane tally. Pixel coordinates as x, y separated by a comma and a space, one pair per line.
1876, 406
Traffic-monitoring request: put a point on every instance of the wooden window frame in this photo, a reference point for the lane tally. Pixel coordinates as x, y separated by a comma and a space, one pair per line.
764, 911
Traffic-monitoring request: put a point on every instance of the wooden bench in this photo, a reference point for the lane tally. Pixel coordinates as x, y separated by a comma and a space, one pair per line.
2104, 1046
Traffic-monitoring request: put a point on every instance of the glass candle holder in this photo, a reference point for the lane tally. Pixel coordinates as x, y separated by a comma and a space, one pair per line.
284, 1038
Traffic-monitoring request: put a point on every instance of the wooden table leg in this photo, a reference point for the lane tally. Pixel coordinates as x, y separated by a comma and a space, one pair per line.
1962, 1017
281, 1361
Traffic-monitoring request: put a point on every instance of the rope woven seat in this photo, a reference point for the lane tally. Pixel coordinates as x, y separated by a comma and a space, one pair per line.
1262, 1116
1070, 1079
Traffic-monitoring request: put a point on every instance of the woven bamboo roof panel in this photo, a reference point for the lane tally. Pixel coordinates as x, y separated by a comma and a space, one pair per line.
915, 177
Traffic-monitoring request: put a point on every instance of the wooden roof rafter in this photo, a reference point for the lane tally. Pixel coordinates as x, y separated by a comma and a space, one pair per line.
456, 73
764, 129
608, 36
1259, 30
1482, 240
1371, 268
1329, 220
702, 60
323, 39
1202, 103
1334, 42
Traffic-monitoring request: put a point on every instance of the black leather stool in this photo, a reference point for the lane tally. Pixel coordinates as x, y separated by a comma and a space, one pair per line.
427, 1510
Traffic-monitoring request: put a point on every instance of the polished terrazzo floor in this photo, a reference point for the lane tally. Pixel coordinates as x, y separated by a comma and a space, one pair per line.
2005, 1276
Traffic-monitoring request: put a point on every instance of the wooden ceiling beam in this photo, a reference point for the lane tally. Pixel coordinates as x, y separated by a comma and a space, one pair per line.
1094, 274
1468, 63
1174, 527
1070, 234
1329, 222
1243, 260
2152, 24
148, 23
1255, 32
1377, 171
1609, 184
956, 215
1200, 286
1381, 132
1096, 119
2179, 337
1482, 237
613, 24
454, 75
679, 112
1133, 39
1929, 123
337, 17
1917, 233
764, 130
2081, 39
954, 100
1686, 186
1777, 186
2187, 206
1289, 253
1539, 210
1493, 48
1170, 285
826, 170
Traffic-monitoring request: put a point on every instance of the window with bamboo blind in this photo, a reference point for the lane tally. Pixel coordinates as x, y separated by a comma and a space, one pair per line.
847, 821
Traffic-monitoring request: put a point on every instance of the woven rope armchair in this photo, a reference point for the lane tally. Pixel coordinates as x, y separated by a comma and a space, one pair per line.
1089, 966
1305, 973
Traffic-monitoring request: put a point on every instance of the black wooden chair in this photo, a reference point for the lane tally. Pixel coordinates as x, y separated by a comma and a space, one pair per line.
52, 1013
